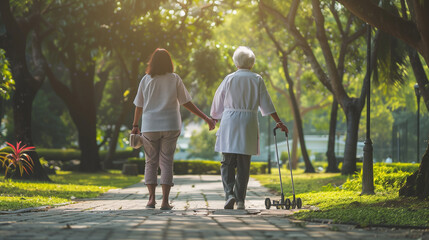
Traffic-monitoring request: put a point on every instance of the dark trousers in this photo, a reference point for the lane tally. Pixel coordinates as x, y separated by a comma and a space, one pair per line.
235, 185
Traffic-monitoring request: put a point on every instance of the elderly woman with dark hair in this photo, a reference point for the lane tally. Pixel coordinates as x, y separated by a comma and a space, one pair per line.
159, 95
236, 103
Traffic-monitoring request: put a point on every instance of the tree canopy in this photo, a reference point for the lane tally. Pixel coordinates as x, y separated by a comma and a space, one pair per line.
77, 64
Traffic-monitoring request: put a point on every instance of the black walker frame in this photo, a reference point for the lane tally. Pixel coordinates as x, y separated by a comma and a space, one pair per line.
284, 203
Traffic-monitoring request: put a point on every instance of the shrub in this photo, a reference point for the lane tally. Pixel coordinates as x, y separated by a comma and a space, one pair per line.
405, 167
16, 158
196, 167
182, 167
58, 154
320, 157
387, 177
119, 154
340, 164
73, 154
50, 167
258, 167
140, 163
317, 164
283, 157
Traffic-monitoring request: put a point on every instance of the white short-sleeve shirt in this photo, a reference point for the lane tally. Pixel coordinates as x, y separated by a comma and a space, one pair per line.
236, 103
161, 97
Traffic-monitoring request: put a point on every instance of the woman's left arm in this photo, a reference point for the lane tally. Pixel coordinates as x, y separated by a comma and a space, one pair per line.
195, 110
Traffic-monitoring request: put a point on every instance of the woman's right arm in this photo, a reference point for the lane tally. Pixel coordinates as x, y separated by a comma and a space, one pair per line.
137, 115
195, 110
279, 122
217, 107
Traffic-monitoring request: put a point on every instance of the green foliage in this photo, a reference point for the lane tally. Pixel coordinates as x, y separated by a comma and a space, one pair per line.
284, 157
348, 207
391, 56
358, 165
65, 187
182, 167
140, 162
59, 154
196, 167
202, 144
387, 177
320, 157
119, 154
73, 154
258, 168
304, 183
336, 202
208, 68
100, 34
404, 167
52, 126
6, 81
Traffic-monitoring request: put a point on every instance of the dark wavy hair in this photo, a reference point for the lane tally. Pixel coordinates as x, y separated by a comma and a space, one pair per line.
160, 63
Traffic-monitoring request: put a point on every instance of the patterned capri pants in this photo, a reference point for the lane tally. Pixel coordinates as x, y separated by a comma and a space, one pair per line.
159, 148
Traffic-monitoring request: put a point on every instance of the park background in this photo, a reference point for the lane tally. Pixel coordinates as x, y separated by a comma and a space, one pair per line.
70, 71
202, 37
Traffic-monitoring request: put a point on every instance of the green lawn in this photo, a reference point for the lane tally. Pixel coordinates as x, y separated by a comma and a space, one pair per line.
322, 190
64, 187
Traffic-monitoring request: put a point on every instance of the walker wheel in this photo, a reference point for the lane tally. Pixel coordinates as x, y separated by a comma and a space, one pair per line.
276, 203
287, 204
299, 203
267, 203
293, 204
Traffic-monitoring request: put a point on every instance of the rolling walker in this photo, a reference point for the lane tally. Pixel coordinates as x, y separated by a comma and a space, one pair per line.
284, 203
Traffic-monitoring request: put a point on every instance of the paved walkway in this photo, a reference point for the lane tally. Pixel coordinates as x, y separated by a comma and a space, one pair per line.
198, 214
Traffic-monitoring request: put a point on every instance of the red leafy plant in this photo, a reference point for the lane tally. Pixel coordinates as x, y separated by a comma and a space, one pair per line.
16, 157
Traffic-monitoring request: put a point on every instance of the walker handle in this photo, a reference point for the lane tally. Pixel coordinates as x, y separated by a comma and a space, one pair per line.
274, 131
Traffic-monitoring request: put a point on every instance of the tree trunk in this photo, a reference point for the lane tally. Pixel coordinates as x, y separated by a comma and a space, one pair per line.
81, 103
26, 86
308, 166
90, 159
298, 121
417, 185
353, 113
22, 108
330, 154
85, 115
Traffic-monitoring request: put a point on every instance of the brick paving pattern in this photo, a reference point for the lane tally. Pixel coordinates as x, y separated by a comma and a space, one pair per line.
198, 214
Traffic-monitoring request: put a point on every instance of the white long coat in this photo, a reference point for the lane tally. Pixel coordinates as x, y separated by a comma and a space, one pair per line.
236, 103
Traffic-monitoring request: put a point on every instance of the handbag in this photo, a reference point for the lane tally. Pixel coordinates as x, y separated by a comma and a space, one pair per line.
136, 140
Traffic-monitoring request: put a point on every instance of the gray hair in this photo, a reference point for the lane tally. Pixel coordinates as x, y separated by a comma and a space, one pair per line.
243, 57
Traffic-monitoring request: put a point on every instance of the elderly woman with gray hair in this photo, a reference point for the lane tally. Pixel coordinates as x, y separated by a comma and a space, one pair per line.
236, 103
